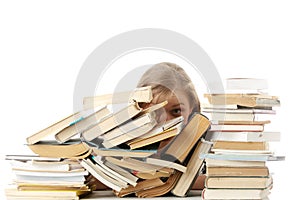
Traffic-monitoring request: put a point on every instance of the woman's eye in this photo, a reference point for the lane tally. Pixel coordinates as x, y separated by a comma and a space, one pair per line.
176, 112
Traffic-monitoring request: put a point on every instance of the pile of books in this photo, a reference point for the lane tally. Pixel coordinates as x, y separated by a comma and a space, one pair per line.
236, 166
113, 146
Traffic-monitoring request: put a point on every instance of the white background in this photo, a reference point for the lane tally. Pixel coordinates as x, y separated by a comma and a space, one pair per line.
43, 45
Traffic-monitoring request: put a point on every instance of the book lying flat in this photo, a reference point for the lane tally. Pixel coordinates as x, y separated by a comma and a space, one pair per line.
247, 100
237, 171
235, 193
230, 182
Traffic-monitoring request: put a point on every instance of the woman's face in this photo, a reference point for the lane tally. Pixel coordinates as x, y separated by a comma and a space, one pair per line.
178, 105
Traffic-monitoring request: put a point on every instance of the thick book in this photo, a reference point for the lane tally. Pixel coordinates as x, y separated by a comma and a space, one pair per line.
247, 100
237, 171
235, 193
142, 94
74, 148
195, 163
54, 128
233, 145
85, 123
230, 182
180, 147
111, 121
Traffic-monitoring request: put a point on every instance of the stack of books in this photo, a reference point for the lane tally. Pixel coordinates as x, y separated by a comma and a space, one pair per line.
236, 165
37, 177
115, 147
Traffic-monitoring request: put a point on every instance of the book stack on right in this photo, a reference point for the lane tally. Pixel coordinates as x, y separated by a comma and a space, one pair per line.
236, 165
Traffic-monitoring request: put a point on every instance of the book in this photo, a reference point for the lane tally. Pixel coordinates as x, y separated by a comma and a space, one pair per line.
154, 137
233, 163
141, 185
157, 174
146, 126
222, 182
208, 193
55, 166
247, 100
132, 180
136, 165
265, 136
27, 157
54, 128
142, 94
50, 173
195, 163
74, 148
14, 193
162, 189
255, 84
111, 121
232, 145
237, 171
102, 177
243, 157
237, 127
165, 163
70, 131
129, 126
123, 152
179, 148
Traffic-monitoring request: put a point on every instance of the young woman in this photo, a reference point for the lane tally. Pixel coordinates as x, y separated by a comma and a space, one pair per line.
170, 82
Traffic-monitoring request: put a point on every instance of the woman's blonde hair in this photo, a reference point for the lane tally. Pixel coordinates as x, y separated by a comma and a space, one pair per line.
165, 79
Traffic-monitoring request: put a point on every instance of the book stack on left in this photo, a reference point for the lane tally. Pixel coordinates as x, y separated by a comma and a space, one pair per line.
236, 166
119, 148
